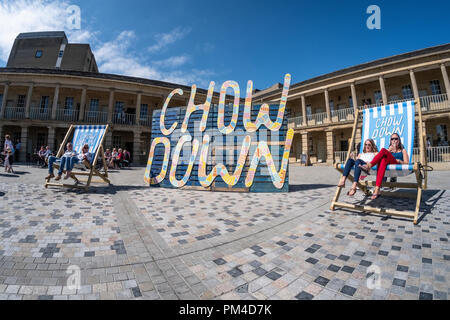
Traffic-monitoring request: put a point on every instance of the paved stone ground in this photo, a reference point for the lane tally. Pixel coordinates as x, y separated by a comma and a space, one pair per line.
133, 242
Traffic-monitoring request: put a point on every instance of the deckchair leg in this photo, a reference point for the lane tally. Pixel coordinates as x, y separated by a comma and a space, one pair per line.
419, 196
336, 198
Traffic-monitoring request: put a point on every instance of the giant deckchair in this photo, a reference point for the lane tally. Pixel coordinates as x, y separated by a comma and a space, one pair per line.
93, 136
378, 124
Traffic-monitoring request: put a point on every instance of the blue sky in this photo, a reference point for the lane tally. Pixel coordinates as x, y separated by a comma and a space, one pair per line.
199, 41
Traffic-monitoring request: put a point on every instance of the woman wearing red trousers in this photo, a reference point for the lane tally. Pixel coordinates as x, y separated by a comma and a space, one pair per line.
396, 154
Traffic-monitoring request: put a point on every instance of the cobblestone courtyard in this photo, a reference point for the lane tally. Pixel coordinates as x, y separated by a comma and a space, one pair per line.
133, 242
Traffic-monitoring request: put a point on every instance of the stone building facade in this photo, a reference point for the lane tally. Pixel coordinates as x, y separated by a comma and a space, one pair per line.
39, 100
44, 90
322, 109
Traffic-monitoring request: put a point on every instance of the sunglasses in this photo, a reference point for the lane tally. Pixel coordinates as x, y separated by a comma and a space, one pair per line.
394, 139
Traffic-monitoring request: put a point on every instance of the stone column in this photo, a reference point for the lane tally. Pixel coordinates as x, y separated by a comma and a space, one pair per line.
137, 150
305, 120
327, 105
305, 143
4, 100
108, 140
354, 98
414, 84
138, 108
110, 105
51, 139
23, 144
82, 104
55, 102
446, 81
383, 90
28, 102
330, 147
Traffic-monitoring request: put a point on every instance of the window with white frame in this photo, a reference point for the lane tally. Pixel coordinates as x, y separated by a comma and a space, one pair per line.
332, 107
21, 101
442, 134
93, 105
43, 106
68, 106
435, 87
309, 112
119, 107
378, 97
407, 92
144, 111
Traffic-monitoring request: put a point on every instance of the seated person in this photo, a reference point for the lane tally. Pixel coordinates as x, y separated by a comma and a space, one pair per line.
369, 152
41, 155
65, 159
112, 161
47, 154
108, 156
84, 155
126, 158
395, 155
119, 159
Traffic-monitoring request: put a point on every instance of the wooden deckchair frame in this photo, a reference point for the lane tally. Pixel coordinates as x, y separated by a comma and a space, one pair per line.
92, 171
420, 185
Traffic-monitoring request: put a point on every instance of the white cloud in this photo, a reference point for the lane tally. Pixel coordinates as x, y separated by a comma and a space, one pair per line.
164, 39
114, 56
117, 56
200, 77
172, 62
32, 16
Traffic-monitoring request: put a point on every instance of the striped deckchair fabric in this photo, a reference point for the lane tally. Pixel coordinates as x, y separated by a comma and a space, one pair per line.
379, 124
93, 136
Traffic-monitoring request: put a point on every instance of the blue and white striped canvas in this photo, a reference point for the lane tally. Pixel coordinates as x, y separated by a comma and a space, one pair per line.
92, 135
381, 122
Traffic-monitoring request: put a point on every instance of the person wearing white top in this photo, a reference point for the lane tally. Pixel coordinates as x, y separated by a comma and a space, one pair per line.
82, 156
369, 152
65, 160
8, 144
8, 151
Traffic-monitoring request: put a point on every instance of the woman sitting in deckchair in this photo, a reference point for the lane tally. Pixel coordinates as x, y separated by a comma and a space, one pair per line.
65, 160
369, 152
395, 155
84, 155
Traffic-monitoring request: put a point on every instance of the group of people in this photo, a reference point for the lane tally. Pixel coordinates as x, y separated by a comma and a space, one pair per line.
118, 158
370, 157
43, 154
69, 159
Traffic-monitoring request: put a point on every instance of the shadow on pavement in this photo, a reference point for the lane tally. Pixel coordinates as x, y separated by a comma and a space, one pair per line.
307, 187
21, 172
9, 175
99, 189
429, 200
